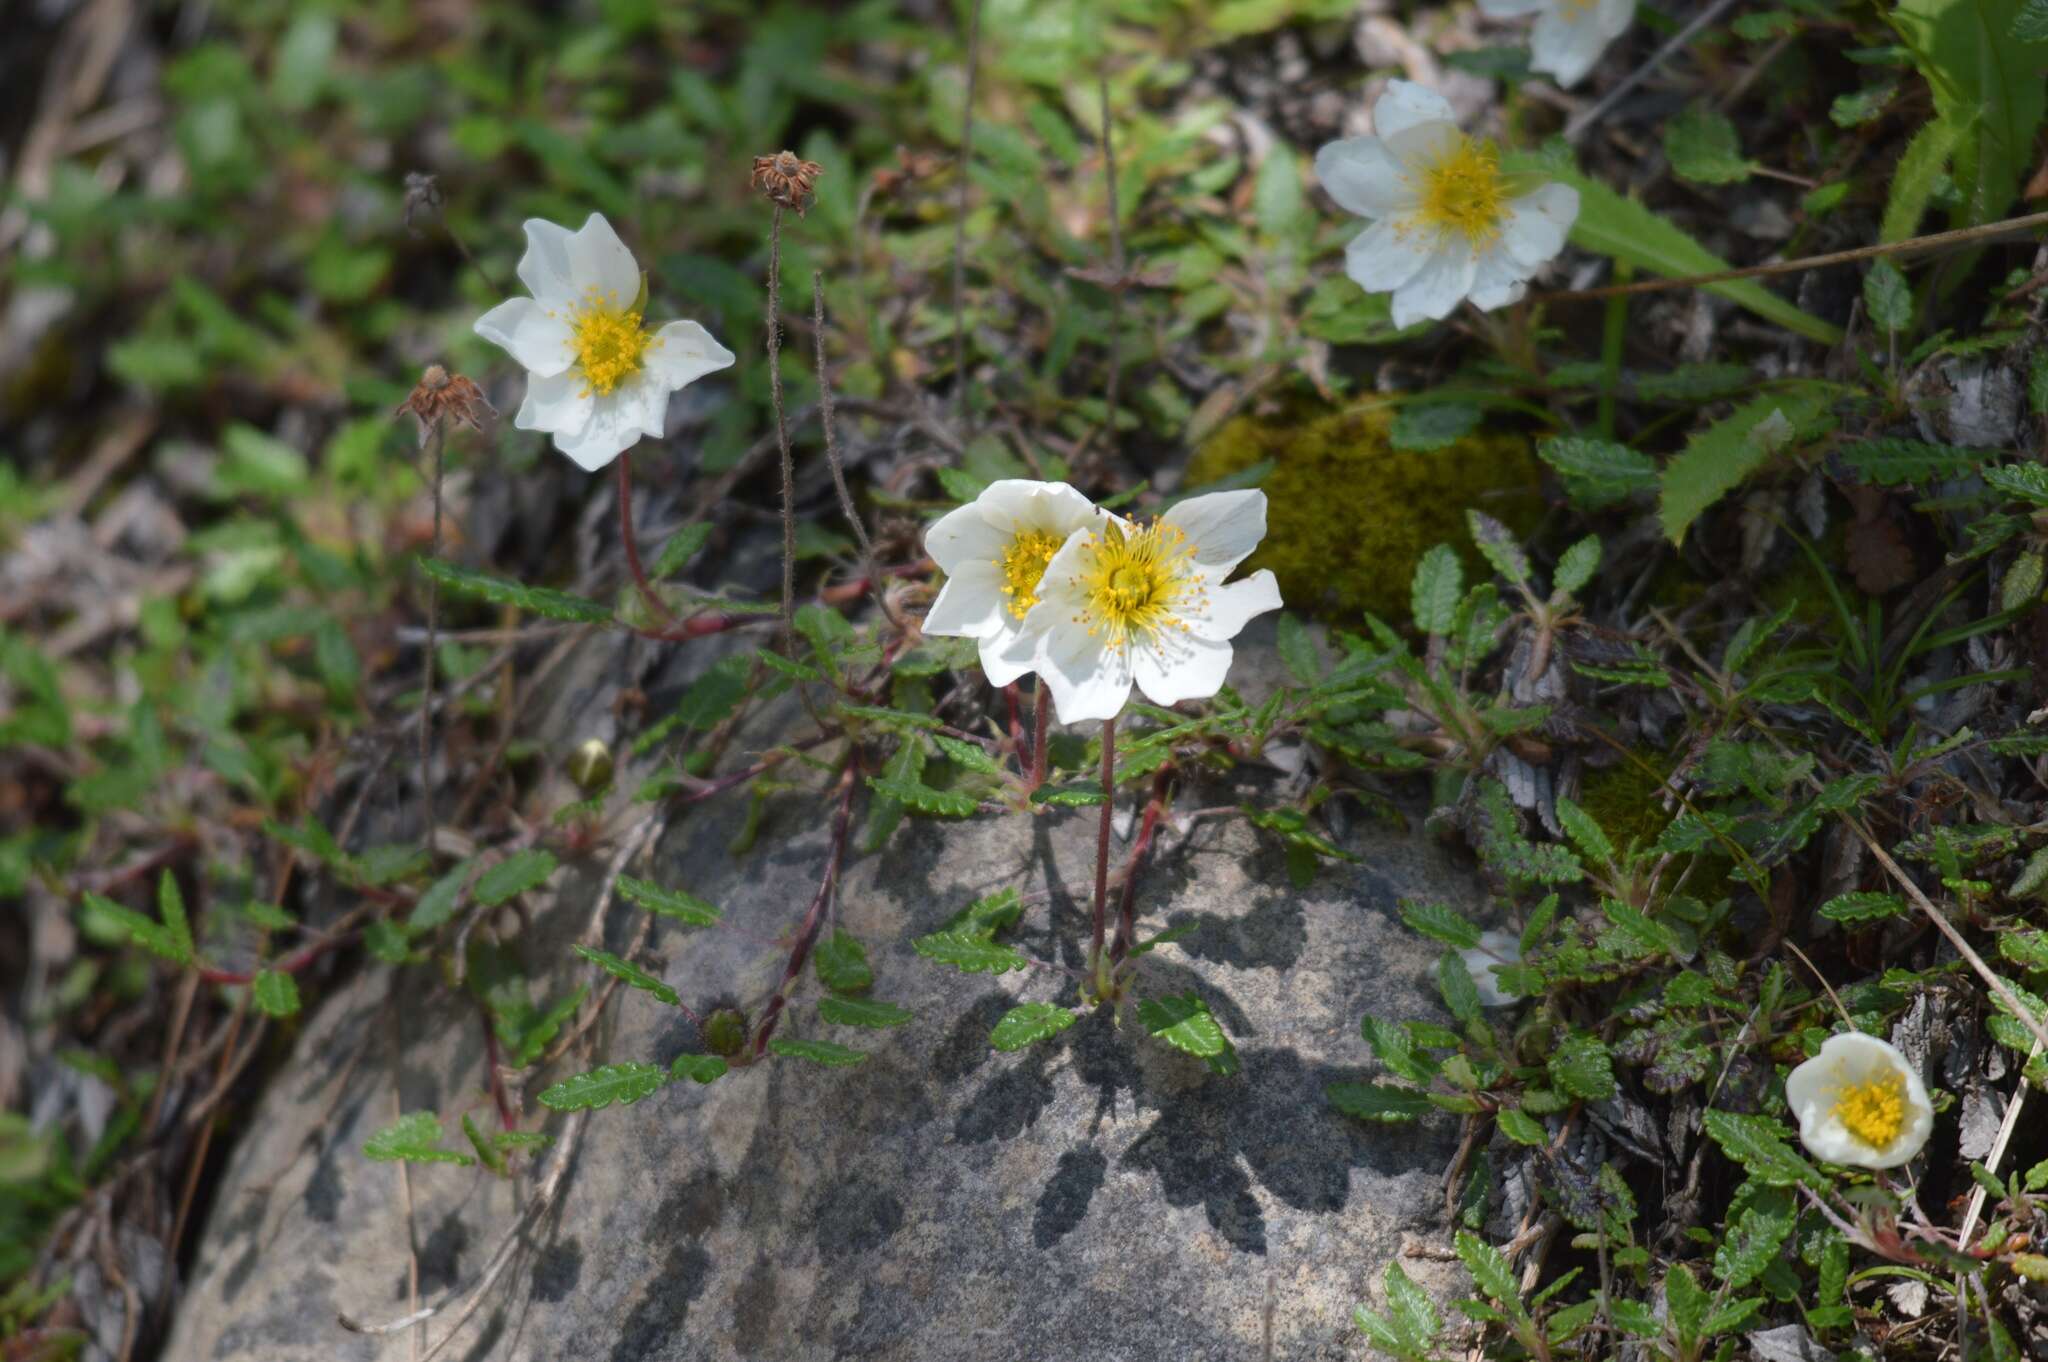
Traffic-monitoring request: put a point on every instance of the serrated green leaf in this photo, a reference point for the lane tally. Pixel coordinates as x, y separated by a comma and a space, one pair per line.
968, 952
513, 876
1863, 906
557, 605
1376, 1101
1438, 586
1688, 1303
1758, 1144
170, 906
487, 1152
698, 1068
682, 546
842, 964
1915, 177
1893, 461
669, 903
1582, 1067
628, 973
1184, 1023
413, 1138
1588, 836
1298, 651
438, 904
1497, 545
1029, 1022
1702, 146
1986, 79
1716, 460
923, 798
1576, 566
1887, 297
1521, 1127
989, 914
817, 1052
969, 755
1454, 981
1082, 794
1752, 1243
624, 1084
143, 931
1414, 1317
1598, 472
862, 1012
1440, 923
1394, 1047
275, 993
2026, 481
1423, 428
1490, 1272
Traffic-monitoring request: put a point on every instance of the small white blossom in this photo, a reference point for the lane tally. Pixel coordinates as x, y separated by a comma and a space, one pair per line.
993, 551
598, 379
1859, 1102
1123, 604
1494, 948
1569, 35
1446, 224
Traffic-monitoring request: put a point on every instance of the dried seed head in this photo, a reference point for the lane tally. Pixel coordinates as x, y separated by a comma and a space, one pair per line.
787, 179
422, 200
441, 396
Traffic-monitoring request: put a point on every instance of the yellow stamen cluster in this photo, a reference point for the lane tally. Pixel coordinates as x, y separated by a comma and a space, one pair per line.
610, 342
1873, 1111
1022, 565
1137, 582
1464, 192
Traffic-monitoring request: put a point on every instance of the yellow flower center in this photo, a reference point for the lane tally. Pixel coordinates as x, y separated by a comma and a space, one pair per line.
610, 343
1464, 192
1022, 565
1136, 582
1874, 1111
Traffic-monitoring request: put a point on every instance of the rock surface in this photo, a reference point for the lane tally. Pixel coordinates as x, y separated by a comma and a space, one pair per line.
1095, 1196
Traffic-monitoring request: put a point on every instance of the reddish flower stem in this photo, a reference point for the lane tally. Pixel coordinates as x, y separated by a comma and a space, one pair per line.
1041, 728
647, 594
291, 964
1126, 916
814, 919
1102, 844
1014, 697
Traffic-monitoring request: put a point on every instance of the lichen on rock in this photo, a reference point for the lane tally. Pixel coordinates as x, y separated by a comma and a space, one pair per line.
1350, 515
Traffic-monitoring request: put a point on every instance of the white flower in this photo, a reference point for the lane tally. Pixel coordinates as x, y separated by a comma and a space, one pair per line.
1494, 948
599, 379
1444, 225
1123, 603
1569, 35
993, 551
1859, 1102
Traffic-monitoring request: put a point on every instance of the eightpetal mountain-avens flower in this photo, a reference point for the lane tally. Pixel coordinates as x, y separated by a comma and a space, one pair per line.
599, 380
1446, 223
1859, 1102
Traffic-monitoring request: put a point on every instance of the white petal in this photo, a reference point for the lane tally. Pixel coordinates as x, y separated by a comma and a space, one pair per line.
1388, 254
1566, 45
557, 403
1616, 16
645, 398
1406, 104
1228, 608
1498, 280
963, 535
531, 334
1222, 527
970, 605
683, 352
1439, 286
1174, 667
1364, 177
544, 269
1087, 680
599, 260
1012, 505
1538, 223
1510, 9
614, 428
1006, 656
1850, 1058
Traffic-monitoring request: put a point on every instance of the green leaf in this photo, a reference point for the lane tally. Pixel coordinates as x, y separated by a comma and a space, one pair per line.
1894, 461
1425, 427
989, 914
1414, 1317
1298, 651
1703, 148
487, 1152
669, 903
1521, 1127
1717, 459
1029, 1022
682, 546
555, 605
698, 1068
972, 756
1624, 229
2024, 481
842, 964
862, 1012
1184, 1023
1376, 1101
1915, 178
1863, 906
1752, 1244
1394, 1047
1986, 79
817, 1052
1490, 1272
1497, 545
170, 905
1597, 472
1588, 836
438, 904
1758, 1144
1576, 566
414, 1138
1582, 1067
2030, 25
513, 876
387, 941
917, 795
1440, 923
1688, 1302
968, 952
628, 973
275, 993
1888, 297
1438, 586
624, 1084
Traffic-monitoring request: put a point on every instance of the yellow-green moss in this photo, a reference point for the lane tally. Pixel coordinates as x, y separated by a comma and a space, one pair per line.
1349, 515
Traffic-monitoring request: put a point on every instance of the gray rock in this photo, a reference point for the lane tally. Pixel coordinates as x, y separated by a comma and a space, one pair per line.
1094, 1196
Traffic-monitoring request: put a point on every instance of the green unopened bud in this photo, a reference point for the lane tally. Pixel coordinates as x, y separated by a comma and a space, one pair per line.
725, 1032
590, 766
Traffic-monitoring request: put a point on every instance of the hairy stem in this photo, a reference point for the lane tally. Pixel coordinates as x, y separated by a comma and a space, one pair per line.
427, 654
960, 216
632, 543
1102, 849
1126, 913
1041, 729
782, 430
814, 917
826, 417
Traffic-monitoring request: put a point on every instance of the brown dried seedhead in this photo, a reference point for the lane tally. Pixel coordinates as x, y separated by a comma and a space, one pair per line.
442, 396
787, 179
422, 200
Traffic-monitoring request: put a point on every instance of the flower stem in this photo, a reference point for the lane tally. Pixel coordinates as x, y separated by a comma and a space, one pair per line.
626, 536
826, 419
960, 216
782, 430
1102, 852
427, 657
1126, 913
1041, 727
814, 918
